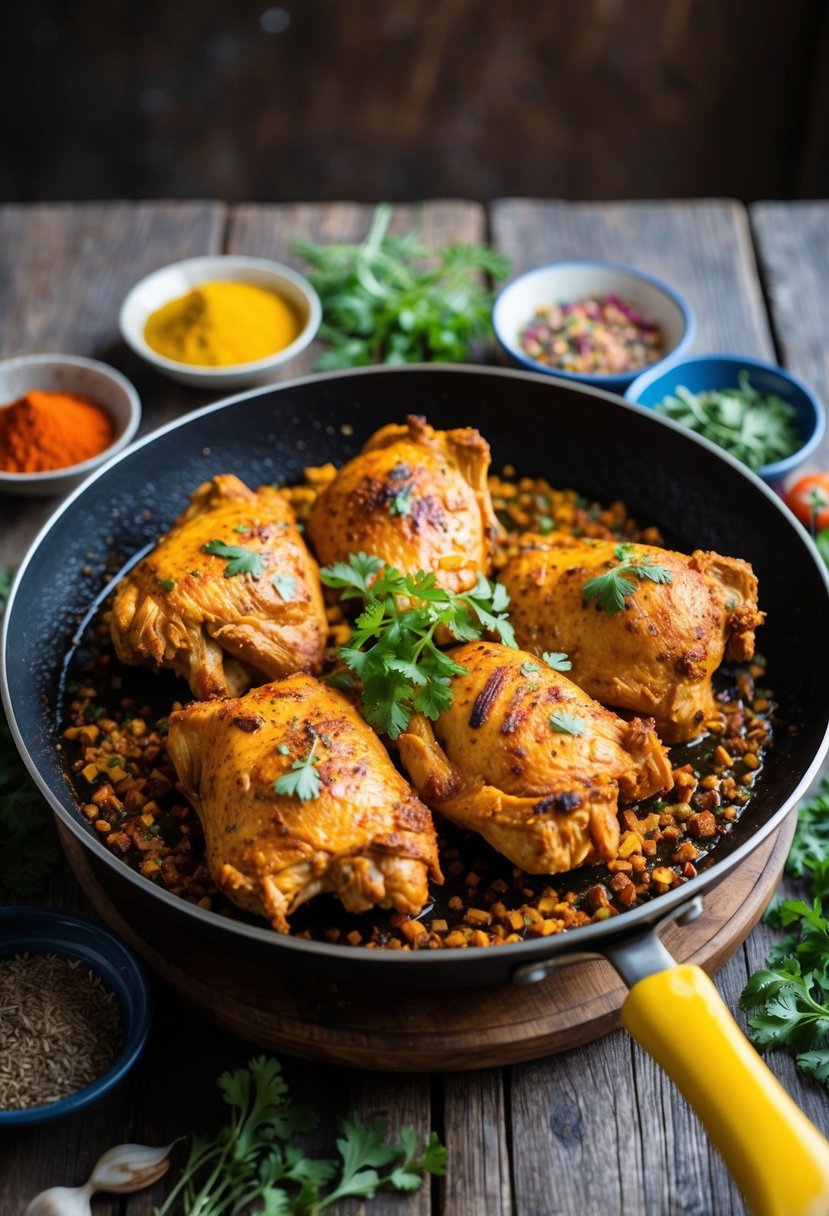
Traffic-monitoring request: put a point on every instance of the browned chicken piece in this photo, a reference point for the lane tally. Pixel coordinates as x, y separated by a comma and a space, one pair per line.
531, 762
657, 655
361, 833
417, 498
203, 615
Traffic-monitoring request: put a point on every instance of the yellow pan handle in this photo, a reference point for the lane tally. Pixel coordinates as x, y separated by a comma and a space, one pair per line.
778, 1159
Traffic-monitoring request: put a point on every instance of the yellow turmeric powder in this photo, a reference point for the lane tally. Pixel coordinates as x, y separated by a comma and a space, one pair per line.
222, 323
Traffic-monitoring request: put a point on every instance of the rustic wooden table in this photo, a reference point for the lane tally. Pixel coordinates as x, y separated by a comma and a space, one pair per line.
595, 1131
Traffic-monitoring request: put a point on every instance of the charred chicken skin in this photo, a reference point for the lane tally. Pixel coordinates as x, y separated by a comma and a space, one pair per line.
528, 760
657, 654
415, 497
360, 833
222, 624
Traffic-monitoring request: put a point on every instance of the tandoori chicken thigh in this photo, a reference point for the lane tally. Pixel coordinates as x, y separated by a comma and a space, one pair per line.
229, 597
531, 762
415, 497
649, 636
297, 795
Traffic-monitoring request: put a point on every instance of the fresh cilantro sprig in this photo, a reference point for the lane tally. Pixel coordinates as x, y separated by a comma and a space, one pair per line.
302, 781
393, 651
28, 846
391, 299
239, 559
613, 589
788, 1000
255, 1157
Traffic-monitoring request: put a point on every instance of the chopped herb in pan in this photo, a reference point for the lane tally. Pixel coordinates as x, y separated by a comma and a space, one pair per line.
239, 560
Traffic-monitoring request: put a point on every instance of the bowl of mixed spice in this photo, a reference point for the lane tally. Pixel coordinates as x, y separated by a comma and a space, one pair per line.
76, 1013
597, 322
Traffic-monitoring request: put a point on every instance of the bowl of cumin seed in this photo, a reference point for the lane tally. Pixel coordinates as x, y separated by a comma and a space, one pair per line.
76, 1013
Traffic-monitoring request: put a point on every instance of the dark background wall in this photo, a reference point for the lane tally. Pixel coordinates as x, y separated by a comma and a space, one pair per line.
400, 99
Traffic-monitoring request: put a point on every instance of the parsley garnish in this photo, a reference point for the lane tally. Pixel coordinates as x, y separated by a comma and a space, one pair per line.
566, 723
612, 589
391, 300
557, 659
401, 504
392, 650
303, 781
529, 668
166, 584
286, 585
255, 1163
240, 561
243, 528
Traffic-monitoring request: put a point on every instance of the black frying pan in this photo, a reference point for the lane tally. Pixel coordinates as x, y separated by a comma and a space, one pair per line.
572, 435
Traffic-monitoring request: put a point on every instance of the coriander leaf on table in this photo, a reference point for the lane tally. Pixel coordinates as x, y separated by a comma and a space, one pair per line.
393, 650
256, 1159
788, 1002
390, 299
28, 847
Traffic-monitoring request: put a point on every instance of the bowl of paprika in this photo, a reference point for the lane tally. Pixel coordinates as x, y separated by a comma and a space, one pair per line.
61, 417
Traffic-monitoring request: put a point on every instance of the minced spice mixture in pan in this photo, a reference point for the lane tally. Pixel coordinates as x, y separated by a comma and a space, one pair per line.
115, 726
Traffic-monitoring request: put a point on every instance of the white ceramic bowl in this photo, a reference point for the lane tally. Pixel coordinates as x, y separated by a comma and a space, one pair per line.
84, 378
181, 277
578, 279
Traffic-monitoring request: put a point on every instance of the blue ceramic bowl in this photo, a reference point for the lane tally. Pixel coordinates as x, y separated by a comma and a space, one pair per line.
576, 279
701, 372
44, 931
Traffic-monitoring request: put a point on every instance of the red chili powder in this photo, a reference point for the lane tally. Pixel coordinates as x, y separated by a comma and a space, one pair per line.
45, 431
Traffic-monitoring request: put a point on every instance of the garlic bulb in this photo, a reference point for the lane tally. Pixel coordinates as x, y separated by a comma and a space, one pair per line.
125, 1168
61, 1201
129, 1167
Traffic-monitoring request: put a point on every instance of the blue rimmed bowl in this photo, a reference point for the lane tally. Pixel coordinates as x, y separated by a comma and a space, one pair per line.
699, 373
578, 279
48, 931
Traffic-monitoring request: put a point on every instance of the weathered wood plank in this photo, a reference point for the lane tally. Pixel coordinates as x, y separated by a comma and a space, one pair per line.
271, 230
476, 1136
793, 251
703, 249
64, 270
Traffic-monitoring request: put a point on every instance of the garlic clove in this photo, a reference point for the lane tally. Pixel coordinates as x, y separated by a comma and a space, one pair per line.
61, 1201
129, 1167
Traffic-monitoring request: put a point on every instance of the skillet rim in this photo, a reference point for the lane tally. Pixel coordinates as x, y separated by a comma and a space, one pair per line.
556, 948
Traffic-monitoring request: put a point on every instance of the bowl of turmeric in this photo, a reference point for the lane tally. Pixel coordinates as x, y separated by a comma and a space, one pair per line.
221, 321
61, 417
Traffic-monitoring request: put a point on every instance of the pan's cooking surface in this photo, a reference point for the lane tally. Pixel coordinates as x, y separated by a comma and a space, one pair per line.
573, 436
126, 789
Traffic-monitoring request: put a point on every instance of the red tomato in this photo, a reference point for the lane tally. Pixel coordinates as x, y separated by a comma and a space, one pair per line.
809, 499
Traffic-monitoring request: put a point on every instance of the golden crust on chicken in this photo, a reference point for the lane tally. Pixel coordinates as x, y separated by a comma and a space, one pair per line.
656, 655
417, 498
359, 832
532, 763
223, 624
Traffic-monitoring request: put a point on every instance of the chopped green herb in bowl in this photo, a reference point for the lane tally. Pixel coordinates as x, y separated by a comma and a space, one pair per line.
759, 413
757, 428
